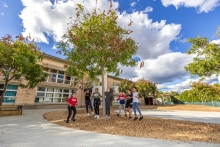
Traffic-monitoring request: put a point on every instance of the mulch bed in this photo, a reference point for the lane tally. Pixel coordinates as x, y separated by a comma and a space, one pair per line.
147, 128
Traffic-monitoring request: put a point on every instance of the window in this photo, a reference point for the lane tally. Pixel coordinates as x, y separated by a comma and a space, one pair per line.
67, 80
60, 79
52, 95
50, 89
58, 90
45, 69
66, 91
53, 71
1, 86
41, 89
40, 94
61, 72
10, 93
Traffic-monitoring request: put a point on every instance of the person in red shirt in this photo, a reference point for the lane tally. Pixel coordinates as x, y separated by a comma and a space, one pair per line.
121, 98
72, 101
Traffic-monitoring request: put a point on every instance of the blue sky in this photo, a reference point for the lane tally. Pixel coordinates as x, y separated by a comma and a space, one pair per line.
160, 26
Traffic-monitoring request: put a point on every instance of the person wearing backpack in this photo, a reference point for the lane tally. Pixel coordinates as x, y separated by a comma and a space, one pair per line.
121, 99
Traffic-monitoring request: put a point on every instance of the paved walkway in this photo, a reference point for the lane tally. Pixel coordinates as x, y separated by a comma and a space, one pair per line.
31, 130
207, 117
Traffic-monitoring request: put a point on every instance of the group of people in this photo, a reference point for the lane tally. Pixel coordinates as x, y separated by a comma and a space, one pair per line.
129, 101
126, 101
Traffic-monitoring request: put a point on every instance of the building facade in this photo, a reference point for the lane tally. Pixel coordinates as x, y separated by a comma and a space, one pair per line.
56, 88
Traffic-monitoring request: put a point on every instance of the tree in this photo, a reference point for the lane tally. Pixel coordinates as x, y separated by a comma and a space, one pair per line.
146, 87
207, 61
96, 44
201, 92
126, 84
19, 60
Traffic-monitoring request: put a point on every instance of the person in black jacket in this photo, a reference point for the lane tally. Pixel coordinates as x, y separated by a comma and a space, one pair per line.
128, 105
88, 102
108, 96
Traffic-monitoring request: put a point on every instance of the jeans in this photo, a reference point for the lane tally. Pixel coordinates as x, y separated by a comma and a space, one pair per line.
120, 107
136, 106
107, 106
88, 104
70, 109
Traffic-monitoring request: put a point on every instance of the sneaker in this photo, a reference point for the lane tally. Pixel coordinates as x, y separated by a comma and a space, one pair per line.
92, 112
109, 117
141, 118
136, 118
67, 121
118, 115
95, 116
125, 115
87, 114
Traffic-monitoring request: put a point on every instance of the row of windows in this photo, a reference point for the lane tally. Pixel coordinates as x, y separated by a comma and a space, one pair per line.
52, 95
58, 76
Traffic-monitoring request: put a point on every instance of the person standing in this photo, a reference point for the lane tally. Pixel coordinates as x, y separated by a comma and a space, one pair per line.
129, 101
108, 96
97, 101
88, 102
72, 101
136, 104
121, 99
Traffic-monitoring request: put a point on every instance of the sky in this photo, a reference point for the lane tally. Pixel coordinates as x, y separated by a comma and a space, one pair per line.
161, 29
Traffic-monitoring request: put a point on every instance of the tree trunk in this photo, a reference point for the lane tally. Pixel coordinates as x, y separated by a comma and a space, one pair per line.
103, 92
3, 93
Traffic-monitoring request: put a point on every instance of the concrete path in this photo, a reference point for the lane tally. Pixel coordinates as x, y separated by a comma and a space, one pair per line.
31, 130
207, 117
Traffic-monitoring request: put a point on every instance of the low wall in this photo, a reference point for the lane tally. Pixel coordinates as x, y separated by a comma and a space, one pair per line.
10, 112
216, 104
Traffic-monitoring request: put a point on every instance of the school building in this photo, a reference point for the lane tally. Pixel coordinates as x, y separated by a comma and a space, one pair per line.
55, 90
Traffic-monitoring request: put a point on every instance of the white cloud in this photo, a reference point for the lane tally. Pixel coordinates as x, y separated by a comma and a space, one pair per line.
166, 68
133, 4
2, 14
185, 85
216, 41
153, 38
4, 5
148, 9
42, 17
202, 5
54, 47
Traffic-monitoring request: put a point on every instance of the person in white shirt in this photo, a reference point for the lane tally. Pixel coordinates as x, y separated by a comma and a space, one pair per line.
136, 104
